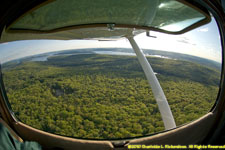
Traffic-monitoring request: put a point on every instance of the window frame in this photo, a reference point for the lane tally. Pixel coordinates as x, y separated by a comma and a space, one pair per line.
213, 117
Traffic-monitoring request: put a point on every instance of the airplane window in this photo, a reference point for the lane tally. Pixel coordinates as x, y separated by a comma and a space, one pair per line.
95, 88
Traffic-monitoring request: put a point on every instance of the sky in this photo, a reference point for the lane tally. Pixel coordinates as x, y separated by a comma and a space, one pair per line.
202, 42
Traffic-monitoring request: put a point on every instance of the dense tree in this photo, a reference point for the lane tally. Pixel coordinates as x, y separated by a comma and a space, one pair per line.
103, 96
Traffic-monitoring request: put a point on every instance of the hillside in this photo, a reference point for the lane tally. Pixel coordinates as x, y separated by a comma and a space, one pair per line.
100, 96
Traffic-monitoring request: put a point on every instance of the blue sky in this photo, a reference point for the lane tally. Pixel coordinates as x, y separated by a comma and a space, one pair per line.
203, 42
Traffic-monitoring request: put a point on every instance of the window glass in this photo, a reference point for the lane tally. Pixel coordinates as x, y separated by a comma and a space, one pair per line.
97, 89
162, 14
87, 82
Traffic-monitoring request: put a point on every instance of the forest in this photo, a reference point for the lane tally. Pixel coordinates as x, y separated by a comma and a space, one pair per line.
99, 96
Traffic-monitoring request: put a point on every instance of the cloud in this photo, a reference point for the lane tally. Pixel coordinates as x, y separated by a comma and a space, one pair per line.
204, 29
185, 40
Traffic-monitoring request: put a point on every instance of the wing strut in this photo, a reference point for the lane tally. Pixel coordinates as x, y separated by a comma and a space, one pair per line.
158, 93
